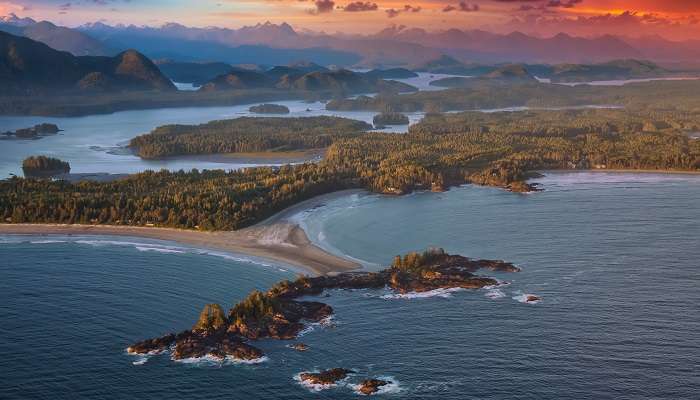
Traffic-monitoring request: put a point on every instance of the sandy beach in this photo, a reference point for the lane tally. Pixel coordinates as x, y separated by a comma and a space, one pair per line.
276, 239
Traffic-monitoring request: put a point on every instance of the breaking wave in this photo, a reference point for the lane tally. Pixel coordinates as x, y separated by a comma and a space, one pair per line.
495, 294
211, 360
443, 293
328, 322
144, 246
525, 298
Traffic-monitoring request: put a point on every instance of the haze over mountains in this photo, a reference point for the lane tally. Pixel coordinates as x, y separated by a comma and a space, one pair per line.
272, 44
57, 37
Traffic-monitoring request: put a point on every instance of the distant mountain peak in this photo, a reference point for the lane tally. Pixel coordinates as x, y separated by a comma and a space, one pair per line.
13, 19
270, 28
35, 68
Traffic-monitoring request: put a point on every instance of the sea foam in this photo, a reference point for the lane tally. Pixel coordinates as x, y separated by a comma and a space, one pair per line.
215, 361
159, 250
495, 294
443, 293
328, 322
522, 298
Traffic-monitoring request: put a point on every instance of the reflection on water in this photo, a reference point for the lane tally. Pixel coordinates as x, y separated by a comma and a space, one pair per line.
613, 256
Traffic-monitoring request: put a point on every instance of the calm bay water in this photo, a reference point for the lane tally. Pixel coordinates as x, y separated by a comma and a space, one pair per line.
96, 143
614, 256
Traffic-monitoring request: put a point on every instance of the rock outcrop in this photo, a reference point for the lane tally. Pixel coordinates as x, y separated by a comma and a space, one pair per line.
327, 377
371, 386
278, 314
299, 347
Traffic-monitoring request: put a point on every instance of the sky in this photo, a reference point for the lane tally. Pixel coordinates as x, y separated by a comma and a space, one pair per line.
673, 19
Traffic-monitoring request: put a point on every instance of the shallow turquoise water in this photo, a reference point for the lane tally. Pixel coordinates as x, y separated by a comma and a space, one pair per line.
614, 256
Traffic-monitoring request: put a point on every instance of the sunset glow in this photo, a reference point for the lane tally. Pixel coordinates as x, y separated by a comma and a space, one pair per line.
675, 19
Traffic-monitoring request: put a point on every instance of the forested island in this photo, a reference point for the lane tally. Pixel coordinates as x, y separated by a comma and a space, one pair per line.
269, 109
495, 149
279, 314
44, 167
246, 134
390, 118
35, 132
44, 81
486, 94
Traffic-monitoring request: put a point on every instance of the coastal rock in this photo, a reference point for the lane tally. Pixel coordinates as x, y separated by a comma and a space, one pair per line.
281, 318
278, 314
211, 319
299, 347
152, 346
434, 269
523, 187
237, 350
531, 298
327, 377
220, 345
371, 386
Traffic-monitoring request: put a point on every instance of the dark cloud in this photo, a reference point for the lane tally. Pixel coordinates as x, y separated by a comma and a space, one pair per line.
324, 6
392, 12
359, 6
563, 3
462, 6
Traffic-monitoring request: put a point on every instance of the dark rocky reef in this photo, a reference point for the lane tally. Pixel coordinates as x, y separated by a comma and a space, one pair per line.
278, 314
531, 298
327, 377
299, 347
371, 386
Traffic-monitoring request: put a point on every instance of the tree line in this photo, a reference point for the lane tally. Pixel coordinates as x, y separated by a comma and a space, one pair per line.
491, 149
246, 134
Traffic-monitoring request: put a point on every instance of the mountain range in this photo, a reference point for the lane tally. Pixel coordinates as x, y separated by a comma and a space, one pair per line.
31, 67
306, 77
394, 46
278, 44
57, 37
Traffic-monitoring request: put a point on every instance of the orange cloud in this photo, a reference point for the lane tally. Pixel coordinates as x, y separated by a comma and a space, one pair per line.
7, 8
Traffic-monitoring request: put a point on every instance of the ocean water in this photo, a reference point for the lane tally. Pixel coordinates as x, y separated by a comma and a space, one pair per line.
613, 256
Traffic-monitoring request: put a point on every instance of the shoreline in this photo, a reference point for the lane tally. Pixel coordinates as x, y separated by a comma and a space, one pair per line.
262, 157
622, 171
277, 239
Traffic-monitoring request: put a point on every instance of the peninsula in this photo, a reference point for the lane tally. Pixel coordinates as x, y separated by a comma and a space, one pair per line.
277, 239
279, 314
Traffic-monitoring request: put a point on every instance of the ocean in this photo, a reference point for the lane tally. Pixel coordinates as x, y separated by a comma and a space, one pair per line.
615, 258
